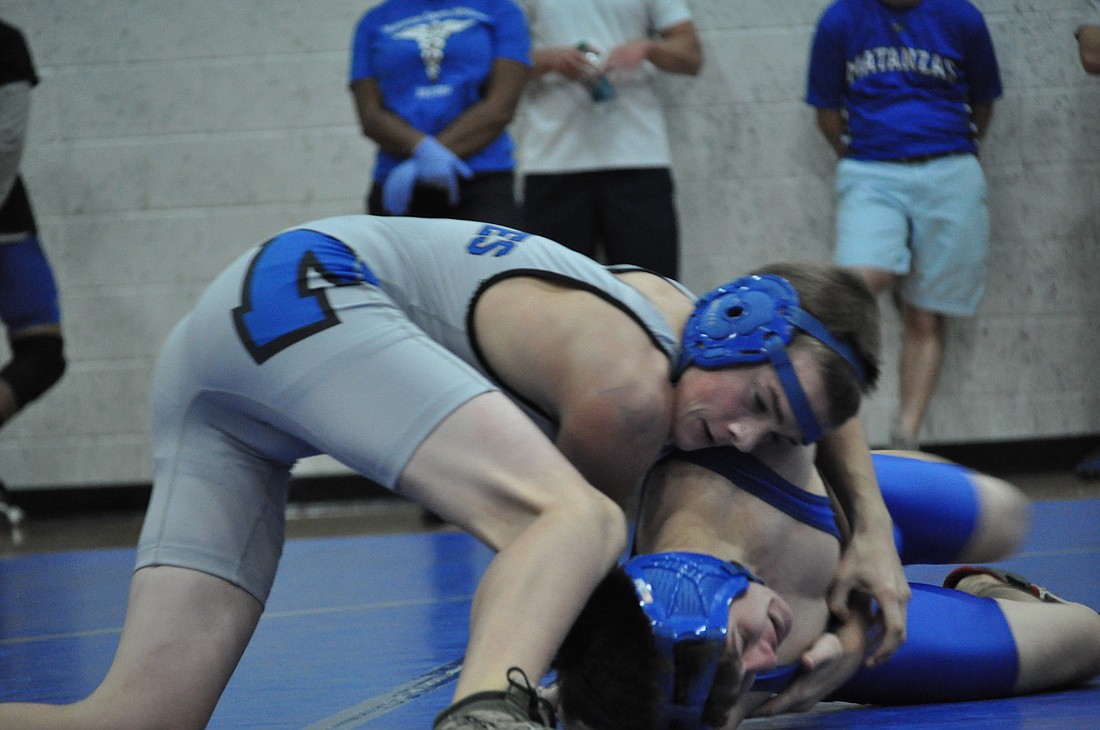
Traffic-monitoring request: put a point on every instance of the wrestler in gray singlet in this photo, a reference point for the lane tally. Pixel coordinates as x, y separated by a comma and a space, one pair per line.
346, 336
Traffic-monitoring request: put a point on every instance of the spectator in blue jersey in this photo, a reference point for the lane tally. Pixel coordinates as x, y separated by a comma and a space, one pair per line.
904, 92
1088, 48
435, 86
28, 294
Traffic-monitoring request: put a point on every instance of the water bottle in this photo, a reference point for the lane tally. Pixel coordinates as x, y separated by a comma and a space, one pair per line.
597, 82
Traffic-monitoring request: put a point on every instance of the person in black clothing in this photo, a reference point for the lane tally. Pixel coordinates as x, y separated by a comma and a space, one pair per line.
28, 292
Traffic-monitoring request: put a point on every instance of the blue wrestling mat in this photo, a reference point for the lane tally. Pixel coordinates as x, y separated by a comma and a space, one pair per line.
369, 632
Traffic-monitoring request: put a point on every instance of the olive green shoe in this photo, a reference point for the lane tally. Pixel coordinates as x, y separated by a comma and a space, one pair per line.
516, 708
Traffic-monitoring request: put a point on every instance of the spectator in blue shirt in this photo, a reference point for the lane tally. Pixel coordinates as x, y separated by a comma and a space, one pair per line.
904, 92
435, 86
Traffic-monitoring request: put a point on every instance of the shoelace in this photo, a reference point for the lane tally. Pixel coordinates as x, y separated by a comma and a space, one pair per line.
538, 708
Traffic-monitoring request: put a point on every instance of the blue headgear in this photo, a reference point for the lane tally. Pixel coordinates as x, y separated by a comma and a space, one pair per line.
753, 319
687, 596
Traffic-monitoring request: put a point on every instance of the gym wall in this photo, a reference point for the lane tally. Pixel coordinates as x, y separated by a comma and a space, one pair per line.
167, 136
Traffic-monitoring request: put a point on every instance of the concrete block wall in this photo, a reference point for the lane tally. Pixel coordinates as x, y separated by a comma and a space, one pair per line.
755, 184
168, 136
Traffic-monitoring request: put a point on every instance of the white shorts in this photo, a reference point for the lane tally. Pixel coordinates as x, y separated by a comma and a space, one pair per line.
925, 221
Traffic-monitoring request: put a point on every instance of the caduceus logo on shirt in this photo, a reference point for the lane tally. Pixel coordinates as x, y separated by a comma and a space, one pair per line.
431, 38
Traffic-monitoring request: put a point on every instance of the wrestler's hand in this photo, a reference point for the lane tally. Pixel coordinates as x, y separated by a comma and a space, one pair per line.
870, 566
829, 663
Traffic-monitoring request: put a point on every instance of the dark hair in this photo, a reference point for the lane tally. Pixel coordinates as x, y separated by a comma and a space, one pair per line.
845, 305
608, 663
691, 657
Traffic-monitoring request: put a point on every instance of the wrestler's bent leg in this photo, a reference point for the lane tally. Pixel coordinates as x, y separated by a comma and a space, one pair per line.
958, 647
947, 513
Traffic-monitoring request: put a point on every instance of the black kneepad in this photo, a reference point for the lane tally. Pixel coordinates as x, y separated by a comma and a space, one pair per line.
37, 363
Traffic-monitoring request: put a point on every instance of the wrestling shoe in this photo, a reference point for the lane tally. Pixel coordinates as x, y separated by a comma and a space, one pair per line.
1089, 466
1012, 580
517, 708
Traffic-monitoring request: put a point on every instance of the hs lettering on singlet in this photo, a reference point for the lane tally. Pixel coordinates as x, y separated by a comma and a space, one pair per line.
284, 296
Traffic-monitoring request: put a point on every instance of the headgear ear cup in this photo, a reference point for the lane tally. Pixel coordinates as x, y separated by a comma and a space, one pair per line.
737, 313
731, 324
752, 319
687, 597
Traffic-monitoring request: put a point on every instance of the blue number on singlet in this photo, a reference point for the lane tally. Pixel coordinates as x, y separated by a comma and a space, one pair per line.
495, 240
282, 301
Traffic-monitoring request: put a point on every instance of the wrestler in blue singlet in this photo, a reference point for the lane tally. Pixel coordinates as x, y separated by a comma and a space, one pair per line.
935, 509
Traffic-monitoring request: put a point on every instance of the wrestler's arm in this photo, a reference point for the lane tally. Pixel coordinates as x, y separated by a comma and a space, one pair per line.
834, 656
870, 562
832, 660
613, 427
590, 369
614, 400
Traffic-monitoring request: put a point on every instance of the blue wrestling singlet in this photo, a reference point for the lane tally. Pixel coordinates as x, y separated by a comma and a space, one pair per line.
958, 648
753, 476
935, 508
933, 504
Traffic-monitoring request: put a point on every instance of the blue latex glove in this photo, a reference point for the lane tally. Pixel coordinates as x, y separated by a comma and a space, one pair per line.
397, 190
438, 167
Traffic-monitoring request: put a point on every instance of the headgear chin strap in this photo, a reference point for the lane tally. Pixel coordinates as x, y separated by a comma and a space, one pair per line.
687, 597
753, 319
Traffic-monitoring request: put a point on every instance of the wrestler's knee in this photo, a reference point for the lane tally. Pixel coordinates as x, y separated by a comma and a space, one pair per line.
1004, 520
